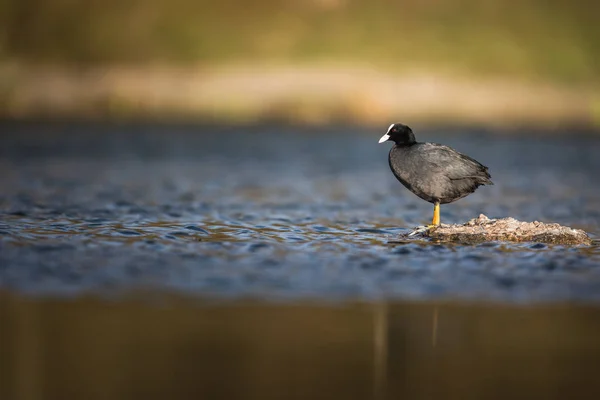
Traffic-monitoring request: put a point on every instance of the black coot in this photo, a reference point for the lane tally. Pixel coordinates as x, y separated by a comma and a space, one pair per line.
434, 172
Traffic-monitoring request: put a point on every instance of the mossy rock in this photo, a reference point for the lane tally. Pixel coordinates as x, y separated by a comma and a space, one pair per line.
483, 229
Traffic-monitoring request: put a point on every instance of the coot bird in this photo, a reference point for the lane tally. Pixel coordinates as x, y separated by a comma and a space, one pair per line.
434, 172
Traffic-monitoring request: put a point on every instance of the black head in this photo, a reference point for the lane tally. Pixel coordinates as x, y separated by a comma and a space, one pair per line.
400, 134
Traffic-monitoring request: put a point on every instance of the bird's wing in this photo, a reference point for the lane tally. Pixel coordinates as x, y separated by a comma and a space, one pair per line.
445, 159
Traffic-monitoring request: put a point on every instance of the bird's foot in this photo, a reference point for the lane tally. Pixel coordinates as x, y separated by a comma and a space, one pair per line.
422, 229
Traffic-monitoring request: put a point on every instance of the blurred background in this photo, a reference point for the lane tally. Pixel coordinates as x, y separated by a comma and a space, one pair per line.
313, 61
193, 203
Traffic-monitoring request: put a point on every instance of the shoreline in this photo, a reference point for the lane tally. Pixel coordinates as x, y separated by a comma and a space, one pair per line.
310, 94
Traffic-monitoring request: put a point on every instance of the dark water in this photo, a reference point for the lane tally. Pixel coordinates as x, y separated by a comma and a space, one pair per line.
175, 349
274, 212
129, 253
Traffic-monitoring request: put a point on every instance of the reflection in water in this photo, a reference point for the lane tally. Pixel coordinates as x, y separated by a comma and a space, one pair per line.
176, 348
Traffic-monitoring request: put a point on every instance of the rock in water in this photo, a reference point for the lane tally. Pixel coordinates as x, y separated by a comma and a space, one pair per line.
483, 229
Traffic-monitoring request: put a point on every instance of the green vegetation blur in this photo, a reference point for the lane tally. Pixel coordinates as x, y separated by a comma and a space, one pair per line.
312, 61
552, 39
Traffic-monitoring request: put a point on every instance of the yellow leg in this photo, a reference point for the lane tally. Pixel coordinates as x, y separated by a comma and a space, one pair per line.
436, 214
434, 223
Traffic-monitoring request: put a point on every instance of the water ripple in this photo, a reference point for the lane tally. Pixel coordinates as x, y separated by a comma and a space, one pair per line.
236, 225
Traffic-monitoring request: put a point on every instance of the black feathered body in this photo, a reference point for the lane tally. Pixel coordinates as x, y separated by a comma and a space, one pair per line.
437, 173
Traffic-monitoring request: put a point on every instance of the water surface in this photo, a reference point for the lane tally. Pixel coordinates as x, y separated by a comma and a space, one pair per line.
177, 348
276, 212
